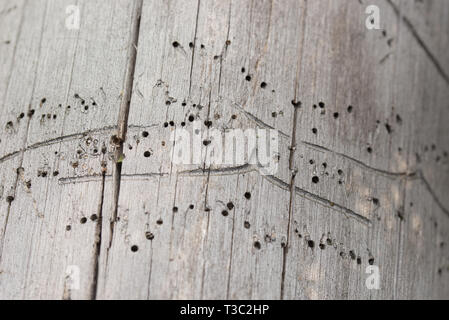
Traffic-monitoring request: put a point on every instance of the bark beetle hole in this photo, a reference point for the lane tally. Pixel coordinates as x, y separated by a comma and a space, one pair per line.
322, 105
9, 199
248, 195
247, 225
191, 45
83, 220
149, 236
230, 205
329, 242
312, 162
134, 248
56, 173
311, 244
296, 104
340, 172
243, 70
315, 179
257, 245
191, 207
31, 113
172, 123
359, 260
175, 44
263, 85
352, 255
315, 130
94, 217
160, 222
369, 150
147, 154
191, 118
166, 125
350, 109
248, 78
376, 201
145, 134
68, 228
175, 209
336, 115
322, 246
233, 117
225, 213
371, 261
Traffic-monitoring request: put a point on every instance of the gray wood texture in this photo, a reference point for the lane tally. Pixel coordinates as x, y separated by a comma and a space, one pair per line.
88, 181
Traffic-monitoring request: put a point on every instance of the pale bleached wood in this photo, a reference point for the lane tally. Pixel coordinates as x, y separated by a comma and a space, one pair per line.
382, 167
73, 80
359, 209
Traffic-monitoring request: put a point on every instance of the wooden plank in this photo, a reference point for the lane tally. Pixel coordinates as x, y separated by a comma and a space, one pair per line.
197, 248
90, 179
73, 81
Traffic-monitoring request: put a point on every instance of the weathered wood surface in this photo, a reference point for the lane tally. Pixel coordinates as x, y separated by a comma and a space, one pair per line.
86, 157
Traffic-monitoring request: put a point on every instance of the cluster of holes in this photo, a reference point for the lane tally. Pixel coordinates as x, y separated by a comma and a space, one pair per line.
330, 243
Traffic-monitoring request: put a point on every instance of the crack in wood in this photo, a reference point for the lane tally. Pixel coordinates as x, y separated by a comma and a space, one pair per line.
420, 41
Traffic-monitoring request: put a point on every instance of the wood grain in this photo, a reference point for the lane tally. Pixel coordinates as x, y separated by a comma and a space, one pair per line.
360, 117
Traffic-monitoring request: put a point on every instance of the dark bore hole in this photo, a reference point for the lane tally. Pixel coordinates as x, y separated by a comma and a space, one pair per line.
149, 236
315, 179
248, 195
145, 134
83, 220
311, 244
147, 154
257, 245
225, 213
230, 206
134, 248
247, 225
